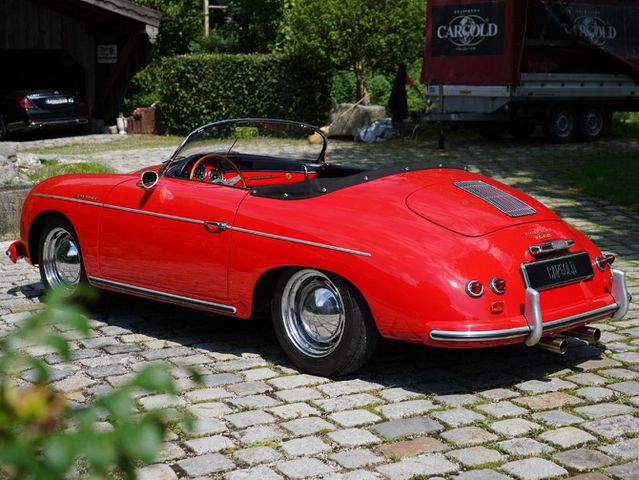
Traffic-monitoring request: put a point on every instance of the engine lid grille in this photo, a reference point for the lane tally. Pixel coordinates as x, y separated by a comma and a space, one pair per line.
505, 202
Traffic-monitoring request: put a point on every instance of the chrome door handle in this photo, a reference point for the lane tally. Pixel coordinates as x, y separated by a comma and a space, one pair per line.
219, 226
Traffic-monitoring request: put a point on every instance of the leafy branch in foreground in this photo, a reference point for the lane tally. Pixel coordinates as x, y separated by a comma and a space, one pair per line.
43, 436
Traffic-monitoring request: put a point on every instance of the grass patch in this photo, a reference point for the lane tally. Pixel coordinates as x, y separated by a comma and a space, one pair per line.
129, 142
613, 177
53, 168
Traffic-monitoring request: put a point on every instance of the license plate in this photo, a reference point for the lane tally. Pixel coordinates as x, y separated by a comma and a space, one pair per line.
553, 272
58, 100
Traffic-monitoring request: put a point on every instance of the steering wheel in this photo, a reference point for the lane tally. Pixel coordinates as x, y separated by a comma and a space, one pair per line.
218, 159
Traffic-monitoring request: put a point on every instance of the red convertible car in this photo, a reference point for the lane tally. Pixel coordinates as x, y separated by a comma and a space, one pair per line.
249, 219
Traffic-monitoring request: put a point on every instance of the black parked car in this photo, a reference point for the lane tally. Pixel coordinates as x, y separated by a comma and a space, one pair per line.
24, 110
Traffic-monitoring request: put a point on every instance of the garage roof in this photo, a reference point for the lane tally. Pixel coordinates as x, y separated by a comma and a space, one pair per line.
128, 9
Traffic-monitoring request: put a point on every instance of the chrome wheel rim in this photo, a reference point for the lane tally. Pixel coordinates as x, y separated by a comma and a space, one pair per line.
61, 260
564, 124
313, 313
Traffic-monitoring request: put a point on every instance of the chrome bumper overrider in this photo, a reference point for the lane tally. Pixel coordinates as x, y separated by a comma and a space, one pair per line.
536, 327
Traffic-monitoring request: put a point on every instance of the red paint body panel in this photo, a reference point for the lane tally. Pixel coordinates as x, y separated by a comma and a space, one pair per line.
411, 268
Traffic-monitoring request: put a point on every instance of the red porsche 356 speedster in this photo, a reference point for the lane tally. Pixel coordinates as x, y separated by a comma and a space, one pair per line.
338, 255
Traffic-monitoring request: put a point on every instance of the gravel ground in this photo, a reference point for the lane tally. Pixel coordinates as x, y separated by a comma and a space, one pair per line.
486, 414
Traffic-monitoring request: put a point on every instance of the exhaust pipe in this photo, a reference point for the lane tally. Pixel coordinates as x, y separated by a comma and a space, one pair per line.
554, 343
589, 334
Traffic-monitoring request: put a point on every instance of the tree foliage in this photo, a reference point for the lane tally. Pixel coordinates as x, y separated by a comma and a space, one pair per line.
254, 24
358, 35
43, 436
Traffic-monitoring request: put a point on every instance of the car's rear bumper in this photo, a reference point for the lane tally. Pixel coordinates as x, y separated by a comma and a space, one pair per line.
18, 250
36, 124
536, 327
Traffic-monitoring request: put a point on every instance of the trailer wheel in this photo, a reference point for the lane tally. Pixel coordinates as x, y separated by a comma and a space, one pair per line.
592, 122
560, 124
491, 130
522, 130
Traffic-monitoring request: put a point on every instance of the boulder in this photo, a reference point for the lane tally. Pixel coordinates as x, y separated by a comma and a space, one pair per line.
345, 123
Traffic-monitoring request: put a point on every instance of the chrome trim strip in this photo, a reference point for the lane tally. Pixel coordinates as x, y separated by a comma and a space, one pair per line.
550, 247
206, 224
296, 240
489, 335
147, 292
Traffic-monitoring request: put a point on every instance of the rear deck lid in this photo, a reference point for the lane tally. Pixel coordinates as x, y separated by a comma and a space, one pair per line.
476, 207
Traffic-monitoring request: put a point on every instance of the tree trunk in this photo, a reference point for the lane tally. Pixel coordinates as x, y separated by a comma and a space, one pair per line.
360, 76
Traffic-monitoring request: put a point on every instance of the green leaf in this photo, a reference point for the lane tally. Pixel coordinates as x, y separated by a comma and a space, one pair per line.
119, 403
154, 378
60, 452
142, 441
59, 344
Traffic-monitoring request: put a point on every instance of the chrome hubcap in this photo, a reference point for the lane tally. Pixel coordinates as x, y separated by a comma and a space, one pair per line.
313, 313
61, 259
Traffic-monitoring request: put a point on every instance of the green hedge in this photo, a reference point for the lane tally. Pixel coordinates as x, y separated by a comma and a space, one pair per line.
197, 89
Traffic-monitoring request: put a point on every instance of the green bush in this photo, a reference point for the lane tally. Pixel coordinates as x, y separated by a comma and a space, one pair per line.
201, 88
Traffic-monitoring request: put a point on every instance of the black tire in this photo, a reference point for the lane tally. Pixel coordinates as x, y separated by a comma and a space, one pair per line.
4, 133
492, 130
521, 130
60, 257
331, 346
593, 122
560, 124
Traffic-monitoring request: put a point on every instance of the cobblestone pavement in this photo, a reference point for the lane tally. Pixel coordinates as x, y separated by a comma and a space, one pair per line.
501, 413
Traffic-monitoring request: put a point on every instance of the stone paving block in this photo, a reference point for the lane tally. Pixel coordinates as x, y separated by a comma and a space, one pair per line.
295, 381
259, 433
583, 459
587, 378
249, 388
613, 427
249, 419
298, 394
601, 410
557, 418
481, 475
260, 374
629, 388
468, 436
502, 409
475, 456
206, 464
548, 401
590, 476
534, 469
304, 467
513, 427
354, 437
256, 455
359, 457
307, 426
210, 410
524, 447
218, 379
629, 471
544, 386
347, 402
428, 465
457, 399
625, 449
210, 444
354, 418
304, 446
254, 402
595, 394
354, 475
397, 394
156, 472
408, 426
410, 448
294, 410
457, 417
207, 426
498, 394
408, 408
567, 437
621, 373
161, 401
347, 387
206, 394
261, 472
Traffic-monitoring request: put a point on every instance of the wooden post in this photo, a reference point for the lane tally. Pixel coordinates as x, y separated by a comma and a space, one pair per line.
206, 18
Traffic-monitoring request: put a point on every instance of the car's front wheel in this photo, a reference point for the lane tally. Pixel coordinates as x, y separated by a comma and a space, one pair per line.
60, 257
322, 322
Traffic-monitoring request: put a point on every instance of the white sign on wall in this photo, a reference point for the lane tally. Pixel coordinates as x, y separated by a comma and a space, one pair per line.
108, 53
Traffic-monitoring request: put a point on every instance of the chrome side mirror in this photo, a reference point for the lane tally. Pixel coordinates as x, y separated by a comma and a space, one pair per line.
148, 179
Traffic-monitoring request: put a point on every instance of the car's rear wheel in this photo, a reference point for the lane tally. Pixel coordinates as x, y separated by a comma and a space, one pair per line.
322, 322
60, 257
560, 124
592, 122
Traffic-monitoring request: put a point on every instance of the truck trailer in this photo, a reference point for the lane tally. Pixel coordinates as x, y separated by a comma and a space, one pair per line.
512, 65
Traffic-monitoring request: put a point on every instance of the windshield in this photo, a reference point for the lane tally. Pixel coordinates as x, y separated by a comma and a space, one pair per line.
255, 137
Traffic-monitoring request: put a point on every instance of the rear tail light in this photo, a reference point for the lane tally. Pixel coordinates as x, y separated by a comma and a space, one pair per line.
498, 285
474, 288
606, 260
25, 103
